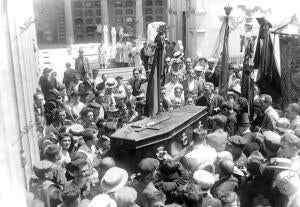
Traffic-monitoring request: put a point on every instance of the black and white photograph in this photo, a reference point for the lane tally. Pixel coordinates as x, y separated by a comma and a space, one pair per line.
150, 103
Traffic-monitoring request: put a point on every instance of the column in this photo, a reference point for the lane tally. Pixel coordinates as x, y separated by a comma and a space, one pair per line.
69, 22
104, 13
139, 19
16, 102
105, 20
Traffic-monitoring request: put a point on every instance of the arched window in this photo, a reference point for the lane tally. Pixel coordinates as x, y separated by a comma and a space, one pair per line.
159, 18
148, 11
158, 3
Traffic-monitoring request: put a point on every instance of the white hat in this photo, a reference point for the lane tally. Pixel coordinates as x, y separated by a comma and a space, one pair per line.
114, 179
102, 200
288, 182
204, 179
199, 68
111, 83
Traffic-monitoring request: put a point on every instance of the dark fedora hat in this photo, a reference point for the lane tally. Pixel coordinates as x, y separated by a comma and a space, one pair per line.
243, 119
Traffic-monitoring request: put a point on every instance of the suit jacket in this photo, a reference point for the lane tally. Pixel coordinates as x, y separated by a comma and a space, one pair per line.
209, 201
82, 66
143, 56
230, 124
197, 90
215, 102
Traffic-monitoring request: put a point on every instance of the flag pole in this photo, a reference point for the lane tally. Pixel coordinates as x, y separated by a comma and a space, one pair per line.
223, 79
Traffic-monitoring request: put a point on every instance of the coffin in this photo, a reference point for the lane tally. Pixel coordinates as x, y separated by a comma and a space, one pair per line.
142, 139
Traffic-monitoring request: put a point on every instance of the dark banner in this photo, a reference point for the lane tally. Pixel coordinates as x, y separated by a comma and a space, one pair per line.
290, 68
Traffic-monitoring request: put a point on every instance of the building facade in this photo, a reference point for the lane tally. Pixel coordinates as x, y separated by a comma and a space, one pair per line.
81, 21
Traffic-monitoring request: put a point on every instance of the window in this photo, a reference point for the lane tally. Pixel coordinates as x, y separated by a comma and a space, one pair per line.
77, 4
149, 3
129, 4
158, 3
78, 21
149, 19
98, 12
98, 4
119, 12
148, 11
89, 12
158, 10
91, 29
159, 18
78, 13
88, 4
79, 37
79, 30
89, 21
118, 4
129, 11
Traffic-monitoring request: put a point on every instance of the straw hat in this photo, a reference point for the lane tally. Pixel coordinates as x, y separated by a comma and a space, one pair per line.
102, 200
114, 179
111, 83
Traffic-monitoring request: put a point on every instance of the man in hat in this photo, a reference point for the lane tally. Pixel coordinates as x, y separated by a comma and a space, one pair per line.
87, 117
52, 153
96, 111
227, 182
235, 145
243, 126
271, 114
192, 86
120, 92
46, 190
292, 113
143, 55
199, 74
289, 148
283, 126
89, 147
144, 180
114, 179
135, 81
109, 97
204, 181
271, 144
169, 177
45, 83
82, 65
74, 84
227, 110
209, 99
68, 75
101, 86
217, 139
60, 122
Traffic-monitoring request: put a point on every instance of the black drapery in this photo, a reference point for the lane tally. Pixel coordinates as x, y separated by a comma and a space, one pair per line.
269, 80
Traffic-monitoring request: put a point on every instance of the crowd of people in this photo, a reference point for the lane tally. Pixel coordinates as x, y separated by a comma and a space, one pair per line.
234, 160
